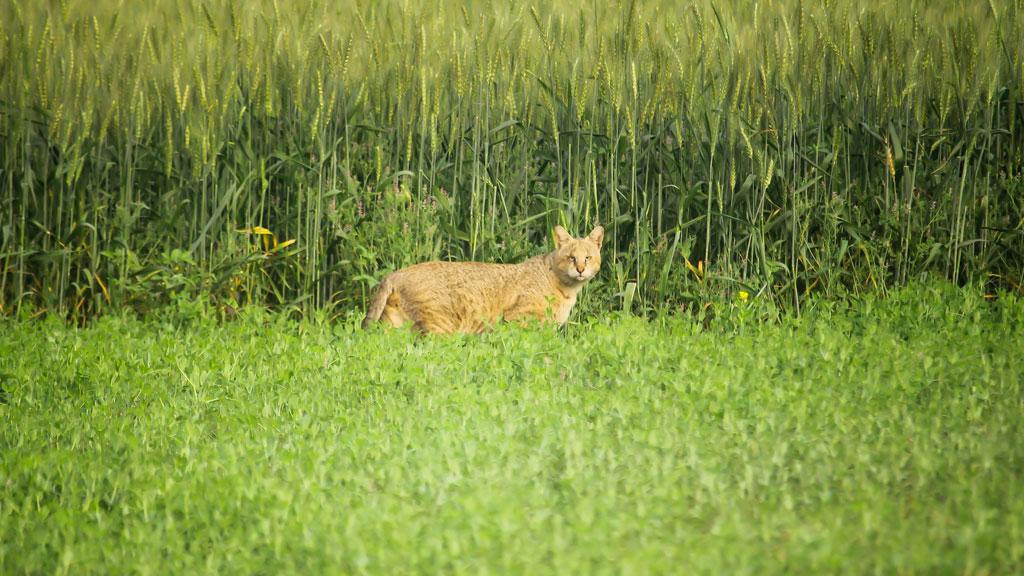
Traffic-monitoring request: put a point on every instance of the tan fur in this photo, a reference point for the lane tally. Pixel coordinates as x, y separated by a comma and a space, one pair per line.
449, 297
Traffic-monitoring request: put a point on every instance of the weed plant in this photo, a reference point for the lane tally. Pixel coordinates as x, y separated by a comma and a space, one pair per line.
882, 436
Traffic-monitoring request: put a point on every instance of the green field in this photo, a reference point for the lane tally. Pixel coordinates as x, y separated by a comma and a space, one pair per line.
884, 436
802, 353
291, 153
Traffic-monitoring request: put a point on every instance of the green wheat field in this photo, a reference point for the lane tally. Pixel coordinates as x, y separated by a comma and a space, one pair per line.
802, 355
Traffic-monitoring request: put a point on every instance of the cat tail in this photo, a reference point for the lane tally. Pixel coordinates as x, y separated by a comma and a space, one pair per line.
380, 300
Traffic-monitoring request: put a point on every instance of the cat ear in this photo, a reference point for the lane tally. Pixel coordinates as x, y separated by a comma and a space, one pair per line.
561, 236
597, 235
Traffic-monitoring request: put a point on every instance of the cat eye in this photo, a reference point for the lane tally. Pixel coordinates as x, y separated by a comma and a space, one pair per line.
572, 259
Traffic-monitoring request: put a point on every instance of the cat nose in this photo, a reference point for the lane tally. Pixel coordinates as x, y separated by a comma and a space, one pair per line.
580, 270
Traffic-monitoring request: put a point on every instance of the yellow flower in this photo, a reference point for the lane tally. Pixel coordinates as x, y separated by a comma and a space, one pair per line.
744, 295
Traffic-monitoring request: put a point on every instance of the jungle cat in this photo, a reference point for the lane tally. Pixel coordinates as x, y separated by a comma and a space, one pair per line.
445, 297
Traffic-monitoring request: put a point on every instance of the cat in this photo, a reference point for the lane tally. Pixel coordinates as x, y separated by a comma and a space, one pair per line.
446, 297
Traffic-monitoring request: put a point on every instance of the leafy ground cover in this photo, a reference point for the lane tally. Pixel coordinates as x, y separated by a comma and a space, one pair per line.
879, 436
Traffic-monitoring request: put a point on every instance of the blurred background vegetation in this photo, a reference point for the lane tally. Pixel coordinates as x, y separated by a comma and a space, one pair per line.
291, 153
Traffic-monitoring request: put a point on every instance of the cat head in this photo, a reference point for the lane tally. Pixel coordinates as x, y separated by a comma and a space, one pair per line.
576, 260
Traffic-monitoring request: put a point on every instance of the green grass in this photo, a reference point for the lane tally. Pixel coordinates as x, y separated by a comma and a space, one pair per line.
881, 436
239, 175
